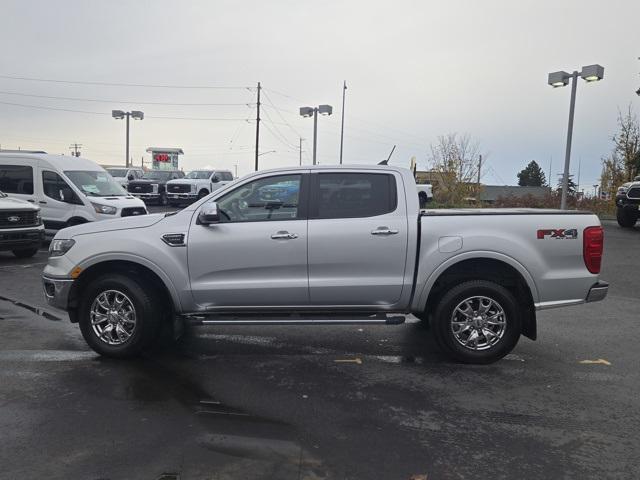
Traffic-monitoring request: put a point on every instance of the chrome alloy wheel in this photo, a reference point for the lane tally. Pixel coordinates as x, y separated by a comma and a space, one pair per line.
478, 323
113, 317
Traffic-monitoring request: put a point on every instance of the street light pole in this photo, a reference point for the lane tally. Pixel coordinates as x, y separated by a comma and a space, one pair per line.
313, 111
315, 133
126, 160
590, 73
567, 155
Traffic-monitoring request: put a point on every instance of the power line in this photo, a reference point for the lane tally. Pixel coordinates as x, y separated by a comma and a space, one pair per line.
40, 107
114, 84
127, 101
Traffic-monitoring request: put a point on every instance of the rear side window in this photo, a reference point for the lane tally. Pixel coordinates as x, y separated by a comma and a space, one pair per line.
17, 179
350, 195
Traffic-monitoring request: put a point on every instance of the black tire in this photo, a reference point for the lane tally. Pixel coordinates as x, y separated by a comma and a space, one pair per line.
626, 219
203, 193
443, 329
72, 222
147, 308
25, 252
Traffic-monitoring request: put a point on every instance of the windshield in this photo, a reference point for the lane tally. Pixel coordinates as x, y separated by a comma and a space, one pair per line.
157, 175
199, 174
95, 183
117, 172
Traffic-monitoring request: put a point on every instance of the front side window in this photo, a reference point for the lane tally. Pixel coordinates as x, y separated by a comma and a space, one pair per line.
351, 195
273, 198
17, 179
54, 186
95, 183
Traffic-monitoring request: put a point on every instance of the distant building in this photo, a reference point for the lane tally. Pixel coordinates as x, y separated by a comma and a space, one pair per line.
491, 193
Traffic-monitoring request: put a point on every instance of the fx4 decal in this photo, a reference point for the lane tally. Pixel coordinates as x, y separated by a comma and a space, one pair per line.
560, 233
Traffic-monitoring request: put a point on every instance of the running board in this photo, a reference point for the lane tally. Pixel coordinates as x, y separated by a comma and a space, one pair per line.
198, 319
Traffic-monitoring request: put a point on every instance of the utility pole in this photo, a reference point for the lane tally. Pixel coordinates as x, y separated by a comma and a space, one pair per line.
549, 176
579, 165
315, 133
344, 92
301, 150
258, 125
479, 168
75, 147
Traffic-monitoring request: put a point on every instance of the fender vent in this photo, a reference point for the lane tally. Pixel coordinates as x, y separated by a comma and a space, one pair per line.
174, 239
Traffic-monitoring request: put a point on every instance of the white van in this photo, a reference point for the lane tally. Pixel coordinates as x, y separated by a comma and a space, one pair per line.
69, 190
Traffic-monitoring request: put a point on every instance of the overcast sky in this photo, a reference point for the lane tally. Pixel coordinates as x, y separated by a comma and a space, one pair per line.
414, 70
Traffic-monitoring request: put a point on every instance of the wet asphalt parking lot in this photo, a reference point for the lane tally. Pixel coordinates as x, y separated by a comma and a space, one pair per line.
324, 402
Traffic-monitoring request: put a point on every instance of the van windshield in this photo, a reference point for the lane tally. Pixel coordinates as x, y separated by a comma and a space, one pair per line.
95, 183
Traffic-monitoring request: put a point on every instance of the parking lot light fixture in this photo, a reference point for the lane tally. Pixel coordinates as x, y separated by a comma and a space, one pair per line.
590, 73
119, 115
325, 110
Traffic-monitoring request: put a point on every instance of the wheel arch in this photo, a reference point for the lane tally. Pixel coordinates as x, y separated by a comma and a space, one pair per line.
490, 266
151, 276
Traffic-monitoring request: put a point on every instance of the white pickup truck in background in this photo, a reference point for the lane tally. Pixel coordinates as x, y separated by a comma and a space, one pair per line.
326, 245
195, 185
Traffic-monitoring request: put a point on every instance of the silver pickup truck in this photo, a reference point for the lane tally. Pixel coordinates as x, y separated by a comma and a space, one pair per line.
325, 245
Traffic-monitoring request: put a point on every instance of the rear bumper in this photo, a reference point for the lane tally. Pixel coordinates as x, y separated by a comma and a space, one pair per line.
598, 292
18, 239
56, 291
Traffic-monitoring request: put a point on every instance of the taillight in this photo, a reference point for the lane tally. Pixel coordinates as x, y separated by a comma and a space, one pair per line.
592, 245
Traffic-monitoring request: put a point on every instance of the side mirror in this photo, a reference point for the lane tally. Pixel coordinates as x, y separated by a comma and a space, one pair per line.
130, 177
209, 214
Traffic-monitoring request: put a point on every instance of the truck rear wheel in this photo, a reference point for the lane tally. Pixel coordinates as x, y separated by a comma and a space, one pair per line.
477, 322
626, 219
118, 316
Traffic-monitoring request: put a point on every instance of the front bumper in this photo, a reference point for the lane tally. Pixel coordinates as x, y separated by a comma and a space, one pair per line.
18, 239
56, 291
598, 292
147, 196
182, 196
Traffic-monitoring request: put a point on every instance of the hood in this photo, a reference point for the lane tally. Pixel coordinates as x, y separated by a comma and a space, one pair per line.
7, 203
186, 180
125, 223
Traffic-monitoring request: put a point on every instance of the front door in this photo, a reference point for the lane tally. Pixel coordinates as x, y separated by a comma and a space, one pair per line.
257, 254
57, 202
357, 239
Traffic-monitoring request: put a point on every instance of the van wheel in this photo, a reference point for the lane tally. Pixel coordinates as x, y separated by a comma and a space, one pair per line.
25, 252
75, 221
626, 219
118, 316
477, 322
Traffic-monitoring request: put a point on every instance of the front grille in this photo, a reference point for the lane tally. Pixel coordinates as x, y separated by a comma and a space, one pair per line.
18, 218
140, 188
178, 188
634, 192
133, 211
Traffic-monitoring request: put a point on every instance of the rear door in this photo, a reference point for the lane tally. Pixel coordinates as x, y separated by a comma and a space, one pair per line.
357, 238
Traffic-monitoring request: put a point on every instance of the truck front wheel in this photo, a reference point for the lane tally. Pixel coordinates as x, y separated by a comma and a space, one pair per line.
118, 316
626, 218
477, 322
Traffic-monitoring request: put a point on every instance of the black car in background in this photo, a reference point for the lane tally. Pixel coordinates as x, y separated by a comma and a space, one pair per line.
151, 188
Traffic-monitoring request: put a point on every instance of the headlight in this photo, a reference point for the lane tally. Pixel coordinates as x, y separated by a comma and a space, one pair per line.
154, 187
622, 190
106, 209
193, 188
38, 217
59, 247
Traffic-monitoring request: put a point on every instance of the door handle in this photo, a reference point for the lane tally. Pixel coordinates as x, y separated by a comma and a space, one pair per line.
31, 200
384, 231
41, 202
284, 236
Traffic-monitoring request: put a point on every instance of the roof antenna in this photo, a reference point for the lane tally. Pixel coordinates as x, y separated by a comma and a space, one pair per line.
386, 162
